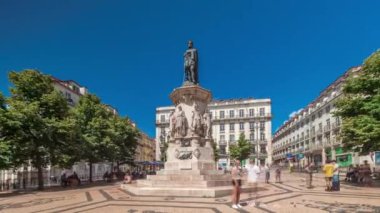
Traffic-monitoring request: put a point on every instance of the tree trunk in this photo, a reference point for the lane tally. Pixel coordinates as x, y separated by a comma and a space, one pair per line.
117, 166
40, 177
90, 178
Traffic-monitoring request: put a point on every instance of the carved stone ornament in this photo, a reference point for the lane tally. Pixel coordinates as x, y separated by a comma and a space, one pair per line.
181, 123
183, 155
197, 153
196, 121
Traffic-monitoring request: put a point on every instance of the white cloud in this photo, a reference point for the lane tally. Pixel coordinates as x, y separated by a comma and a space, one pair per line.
295, 112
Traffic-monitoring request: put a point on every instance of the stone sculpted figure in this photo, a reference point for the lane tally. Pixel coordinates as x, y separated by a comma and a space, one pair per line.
172, 123
191, 64
207, 124
196, 122
180, 123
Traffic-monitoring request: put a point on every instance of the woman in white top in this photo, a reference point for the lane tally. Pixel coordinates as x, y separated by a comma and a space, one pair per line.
253, 174
236, 183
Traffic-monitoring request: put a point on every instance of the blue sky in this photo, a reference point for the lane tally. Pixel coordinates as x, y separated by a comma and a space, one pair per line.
129, 53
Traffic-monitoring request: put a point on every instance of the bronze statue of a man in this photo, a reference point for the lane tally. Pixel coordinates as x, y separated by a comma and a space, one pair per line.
191, 64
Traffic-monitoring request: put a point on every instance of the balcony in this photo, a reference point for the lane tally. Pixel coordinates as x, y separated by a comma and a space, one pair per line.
319, 132
222, 142
335, 126
232, 142
258, 141
312, 134
335, 141
327, 128
260, 154
245, 116
162, 122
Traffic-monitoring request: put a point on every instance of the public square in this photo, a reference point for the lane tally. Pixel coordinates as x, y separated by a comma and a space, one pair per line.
289, 196
189, 106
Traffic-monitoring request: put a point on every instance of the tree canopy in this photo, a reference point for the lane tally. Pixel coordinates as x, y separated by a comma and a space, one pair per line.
359, 108
241, 149
36, 118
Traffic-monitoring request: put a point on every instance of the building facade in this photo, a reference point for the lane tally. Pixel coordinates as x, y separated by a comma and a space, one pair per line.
146, 148
311, 135
70, 89
230, 118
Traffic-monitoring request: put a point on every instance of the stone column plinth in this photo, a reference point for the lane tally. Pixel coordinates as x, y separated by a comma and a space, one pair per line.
190, 144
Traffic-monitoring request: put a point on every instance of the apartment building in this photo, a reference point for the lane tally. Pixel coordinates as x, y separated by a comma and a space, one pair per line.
312, 134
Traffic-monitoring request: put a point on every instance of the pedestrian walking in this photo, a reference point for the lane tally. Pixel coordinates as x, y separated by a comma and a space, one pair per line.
278, 174
328, 169
253, 172
335, 179
267, 173
291, 166
236, 174
309, 175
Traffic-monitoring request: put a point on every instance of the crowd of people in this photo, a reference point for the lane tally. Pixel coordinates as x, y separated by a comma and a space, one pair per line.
360, 174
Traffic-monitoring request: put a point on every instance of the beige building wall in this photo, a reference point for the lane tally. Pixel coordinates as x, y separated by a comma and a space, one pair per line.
313, 131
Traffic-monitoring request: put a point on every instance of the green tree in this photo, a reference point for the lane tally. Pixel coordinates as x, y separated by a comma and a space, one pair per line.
359, 108
95, 137
124, 140
241, 149
36, 119
5, 151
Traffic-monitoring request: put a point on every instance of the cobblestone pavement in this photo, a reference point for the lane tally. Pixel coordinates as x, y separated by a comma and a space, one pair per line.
289, 196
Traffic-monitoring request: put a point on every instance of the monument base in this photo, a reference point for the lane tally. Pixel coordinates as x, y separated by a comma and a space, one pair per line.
188, 183
183, 191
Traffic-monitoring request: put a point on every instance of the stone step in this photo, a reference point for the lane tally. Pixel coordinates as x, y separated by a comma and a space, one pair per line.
191, 172
176, 183
188, 177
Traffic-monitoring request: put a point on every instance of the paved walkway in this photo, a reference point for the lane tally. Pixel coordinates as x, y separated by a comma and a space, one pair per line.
289, 196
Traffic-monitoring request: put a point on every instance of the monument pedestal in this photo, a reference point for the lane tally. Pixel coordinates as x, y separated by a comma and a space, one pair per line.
190, 168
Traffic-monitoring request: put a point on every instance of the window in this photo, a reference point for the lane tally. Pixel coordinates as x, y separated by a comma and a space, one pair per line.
222, 139
320, 114
241, 113
262, 136
221, 114
328, 123
211, 115
328, 109
262, 111
232, 127
251, 112
313, 118
251, 125
337, 120
232, 138
232, 113
221, 127
251, 136
222, 149
162, 118
241, 126
262, 125
320, 126
263, 149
